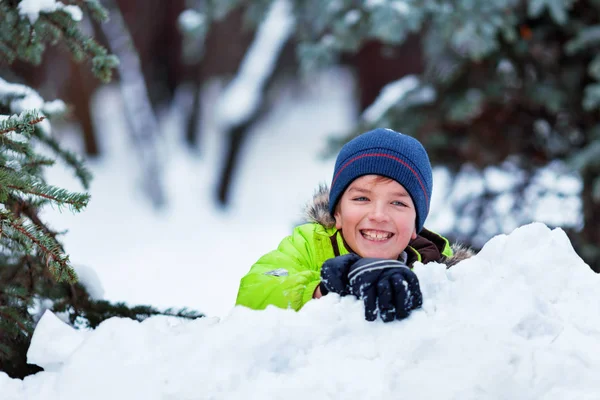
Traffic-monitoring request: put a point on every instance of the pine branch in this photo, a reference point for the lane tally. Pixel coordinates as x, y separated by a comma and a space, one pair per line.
12, 320
22, 148
9, 54
72, 159
21, 207
13, 287
34, 165
83, 47
23, 124
95, 9
27, 42
5, 350
57, 263
24, 183
77, 201
98, 311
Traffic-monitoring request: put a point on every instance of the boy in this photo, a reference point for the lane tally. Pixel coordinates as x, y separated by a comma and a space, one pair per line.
364, 234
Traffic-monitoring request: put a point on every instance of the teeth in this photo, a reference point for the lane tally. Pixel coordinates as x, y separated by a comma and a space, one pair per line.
376, 235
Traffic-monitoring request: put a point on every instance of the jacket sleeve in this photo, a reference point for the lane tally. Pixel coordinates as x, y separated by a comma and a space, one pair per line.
286, 277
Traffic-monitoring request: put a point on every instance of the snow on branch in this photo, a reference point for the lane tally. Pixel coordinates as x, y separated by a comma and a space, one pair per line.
32, 9
20, 98
242, 97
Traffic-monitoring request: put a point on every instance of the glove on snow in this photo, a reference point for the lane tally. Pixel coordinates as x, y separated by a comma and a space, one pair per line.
334, 274
388, 288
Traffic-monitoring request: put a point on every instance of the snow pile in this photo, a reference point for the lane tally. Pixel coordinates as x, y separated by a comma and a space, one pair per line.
520, 320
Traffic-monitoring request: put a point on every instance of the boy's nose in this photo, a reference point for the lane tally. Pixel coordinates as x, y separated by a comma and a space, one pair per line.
377, 213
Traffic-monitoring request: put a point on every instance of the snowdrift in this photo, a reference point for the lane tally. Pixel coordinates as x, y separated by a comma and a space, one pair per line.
521, 320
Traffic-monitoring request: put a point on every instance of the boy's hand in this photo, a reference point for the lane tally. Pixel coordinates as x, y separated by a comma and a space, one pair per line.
334, 274
388, 288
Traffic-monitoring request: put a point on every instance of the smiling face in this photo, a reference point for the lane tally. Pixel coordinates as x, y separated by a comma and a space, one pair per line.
376, 216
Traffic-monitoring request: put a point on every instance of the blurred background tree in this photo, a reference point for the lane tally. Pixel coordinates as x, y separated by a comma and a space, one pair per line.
510, 85
35, 272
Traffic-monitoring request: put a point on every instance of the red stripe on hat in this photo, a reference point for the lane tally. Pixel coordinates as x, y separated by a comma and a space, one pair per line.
388, 156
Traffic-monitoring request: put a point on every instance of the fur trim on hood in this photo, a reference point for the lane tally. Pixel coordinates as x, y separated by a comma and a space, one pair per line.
317, 211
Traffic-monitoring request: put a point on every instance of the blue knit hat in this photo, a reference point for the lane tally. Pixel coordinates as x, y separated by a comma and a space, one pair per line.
387, 153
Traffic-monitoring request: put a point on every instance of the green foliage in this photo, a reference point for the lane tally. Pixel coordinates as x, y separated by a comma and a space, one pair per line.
32, 259
97, 311
24, 39
20, 181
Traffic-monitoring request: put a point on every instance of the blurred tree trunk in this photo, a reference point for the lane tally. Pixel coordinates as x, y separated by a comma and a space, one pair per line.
223, 50
82, 88
377, 64
144, 127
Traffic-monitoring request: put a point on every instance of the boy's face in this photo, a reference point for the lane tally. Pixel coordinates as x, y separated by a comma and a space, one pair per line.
377, 217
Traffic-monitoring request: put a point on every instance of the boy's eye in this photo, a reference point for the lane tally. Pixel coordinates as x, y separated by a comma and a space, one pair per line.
360, 198
399, 203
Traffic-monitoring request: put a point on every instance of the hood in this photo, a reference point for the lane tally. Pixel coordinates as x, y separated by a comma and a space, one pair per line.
317, 211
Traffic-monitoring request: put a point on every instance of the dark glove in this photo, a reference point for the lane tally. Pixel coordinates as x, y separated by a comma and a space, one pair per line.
334, 274
387, 287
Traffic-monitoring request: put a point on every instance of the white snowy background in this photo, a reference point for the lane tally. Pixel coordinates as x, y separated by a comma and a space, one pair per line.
518, 321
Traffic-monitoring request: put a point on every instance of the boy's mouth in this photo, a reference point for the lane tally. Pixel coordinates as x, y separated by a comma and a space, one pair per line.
375, 235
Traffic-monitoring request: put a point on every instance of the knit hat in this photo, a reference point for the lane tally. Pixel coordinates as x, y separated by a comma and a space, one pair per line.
387, 153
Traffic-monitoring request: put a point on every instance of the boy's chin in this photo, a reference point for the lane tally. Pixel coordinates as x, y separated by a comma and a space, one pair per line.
377, 254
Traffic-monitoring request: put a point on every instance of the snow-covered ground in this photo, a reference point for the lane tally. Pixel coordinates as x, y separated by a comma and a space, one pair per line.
521, 320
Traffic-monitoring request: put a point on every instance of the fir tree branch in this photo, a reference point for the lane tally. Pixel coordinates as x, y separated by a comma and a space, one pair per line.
84, 47
61, 196
35, 164
95, 9
17, 147
5, 350
10, 314
23, 183
10, 54
20, 206
72, 159
13, 274
97, 311
20, 126
58, 265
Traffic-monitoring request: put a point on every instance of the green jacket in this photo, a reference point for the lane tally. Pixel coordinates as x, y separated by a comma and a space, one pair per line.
288, 276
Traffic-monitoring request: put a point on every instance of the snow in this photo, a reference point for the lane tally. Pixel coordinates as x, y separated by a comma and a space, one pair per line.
243, 94
400, 6
64, 339
190, 20
389, 96
27, 98
23, 98
88, 277
519, 320
352, 17
32, 9
54, 107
